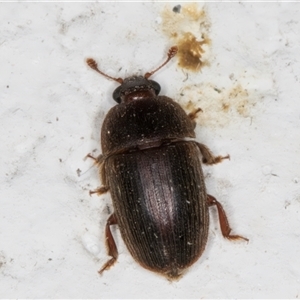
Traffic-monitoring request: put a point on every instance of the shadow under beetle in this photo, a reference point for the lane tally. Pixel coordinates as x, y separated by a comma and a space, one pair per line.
153, 171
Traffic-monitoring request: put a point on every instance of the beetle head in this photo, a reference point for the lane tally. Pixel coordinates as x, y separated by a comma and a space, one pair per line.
134, 88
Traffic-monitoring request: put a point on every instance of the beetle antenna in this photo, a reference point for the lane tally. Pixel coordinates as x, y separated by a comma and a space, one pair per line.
171, 53
92, 64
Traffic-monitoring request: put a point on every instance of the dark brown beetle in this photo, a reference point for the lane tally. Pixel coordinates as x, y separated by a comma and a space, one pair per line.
152, 168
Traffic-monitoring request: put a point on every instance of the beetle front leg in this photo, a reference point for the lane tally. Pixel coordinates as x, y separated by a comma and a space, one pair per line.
97, 160
208, 157
111, 245
193, 115
224, 224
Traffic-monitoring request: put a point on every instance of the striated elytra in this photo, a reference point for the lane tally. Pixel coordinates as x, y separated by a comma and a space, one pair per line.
151, 165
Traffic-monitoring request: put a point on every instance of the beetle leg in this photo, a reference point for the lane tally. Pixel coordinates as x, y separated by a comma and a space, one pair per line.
111, 245
102, 189
97, 160
208, 157
99, 191
224, 224
193, 115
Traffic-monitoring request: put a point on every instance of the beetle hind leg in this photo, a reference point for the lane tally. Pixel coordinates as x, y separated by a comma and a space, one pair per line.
208, 157
111, 245
224, 224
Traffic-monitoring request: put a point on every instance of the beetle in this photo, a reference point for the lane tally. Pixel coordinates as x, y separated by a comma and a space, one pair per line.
151, 165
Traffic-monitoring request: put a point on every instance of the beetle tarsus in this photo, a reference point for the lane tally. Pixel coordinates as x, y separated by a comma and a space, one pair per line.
97, 160
111, 245
208, 157
193, 115
99, 191
89, 155
224, 224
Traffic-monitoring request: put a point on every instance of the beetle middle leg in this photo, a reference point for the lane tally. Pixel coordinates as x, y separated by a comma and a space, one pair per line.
99, 160
111, 245
208, 157
224, 224
100, 190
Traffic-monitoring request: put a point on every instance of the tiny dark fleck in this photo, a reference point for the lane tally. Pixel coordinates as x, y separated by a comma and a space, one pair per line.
78, 172
49, 259
7, 86
60, 160
57, 118
177, 9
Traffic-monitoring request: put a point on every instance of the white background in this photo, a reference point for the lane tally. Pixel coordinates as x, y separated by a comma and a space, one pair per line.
52, 107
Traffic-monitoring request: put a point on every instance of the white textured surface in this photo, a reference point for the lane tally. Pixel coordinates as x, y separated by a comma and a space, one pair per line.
52, 106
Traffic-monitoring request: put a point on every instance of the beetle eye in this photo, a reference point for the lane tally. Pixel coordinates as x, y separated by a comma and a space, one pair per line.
116, 94
155, 86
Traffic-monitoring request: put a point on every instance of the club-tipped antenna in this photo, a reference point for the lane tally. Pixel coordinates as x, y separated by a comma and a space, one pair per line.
171, 53
92, 64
